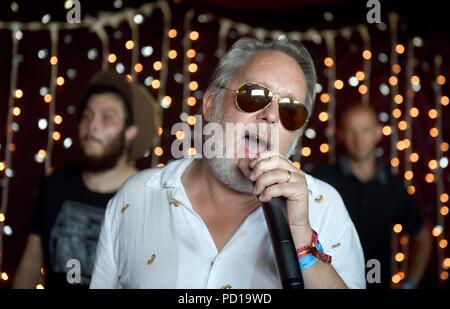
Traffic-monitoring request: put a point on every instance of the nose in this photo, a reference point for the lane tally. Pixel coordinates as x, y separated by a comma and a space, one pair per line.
93, 124
358, 138
271, 113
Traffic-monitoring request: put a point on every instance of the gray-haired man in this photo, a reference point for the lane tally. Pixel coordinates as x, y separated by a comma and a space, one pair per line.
197, 223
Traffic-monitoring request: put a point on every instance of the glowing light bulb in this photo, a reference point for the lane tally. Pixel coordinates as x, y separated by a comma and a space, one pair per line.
129, 45
172, 33
400, 49
194, 35
328, 61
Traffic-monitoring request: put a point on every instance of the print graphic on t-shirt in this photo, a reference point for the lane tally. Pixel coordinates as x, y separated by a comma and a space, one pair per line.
74, 236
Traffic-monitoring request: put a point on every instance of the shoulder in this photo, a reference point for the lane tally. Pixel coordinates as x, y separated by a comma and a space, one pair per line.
393, 184
64, 173
326, 207
136, 185
326, 171
394, 180
323, 192
149, 184
61, 178
156, 178
140, 179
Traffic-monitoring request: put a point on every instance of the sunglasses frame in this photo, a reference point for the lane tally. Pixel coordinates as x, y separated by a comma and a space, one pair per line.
272, 94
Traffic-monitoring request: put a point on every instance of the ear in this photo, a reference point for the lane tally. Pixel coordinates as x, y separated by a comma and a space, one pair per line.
208, 105
379, 132
130, 133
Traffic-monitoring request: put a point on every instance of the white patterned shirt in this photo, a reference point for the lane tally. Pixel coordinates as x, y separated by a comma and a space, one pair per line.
152, 238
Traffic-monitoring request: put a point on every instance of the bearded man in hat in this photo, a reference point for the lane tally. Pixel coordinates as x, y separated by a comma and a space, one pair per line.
70, 206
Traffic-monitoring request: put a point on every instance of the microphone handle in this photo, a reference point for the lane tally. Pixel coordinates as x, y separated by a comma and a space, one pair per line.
283, 244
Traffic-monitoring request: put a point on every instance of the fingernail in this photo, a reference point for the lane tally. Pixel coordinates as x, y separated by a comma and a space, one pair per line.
252, 176
252, 163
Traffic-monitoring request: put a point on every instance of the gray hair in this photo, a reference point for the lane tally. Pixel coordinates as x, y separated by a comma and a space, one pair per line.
240, 52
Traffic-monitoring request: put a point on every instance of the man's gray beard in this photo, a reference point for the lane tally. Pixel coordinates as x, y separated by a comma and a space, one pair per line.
229, 174
225, 170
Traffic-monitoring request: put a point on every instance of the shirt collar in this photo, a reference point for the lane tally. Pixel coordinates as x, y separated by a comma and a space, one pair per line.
380, 175
311, 184
169, 176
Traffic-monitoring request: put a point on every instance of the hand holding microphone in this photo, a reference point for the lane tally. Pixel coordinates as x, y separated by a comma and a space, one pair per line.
275, 176
280, 187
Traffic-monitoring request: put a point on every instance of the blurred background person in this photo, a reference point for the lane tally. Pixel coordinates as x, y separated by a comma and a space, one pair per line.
115, 128
376, 199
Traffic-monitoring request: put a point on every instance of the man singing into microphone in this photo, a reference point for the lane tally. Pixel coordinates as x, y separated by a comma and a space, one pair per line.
197, 223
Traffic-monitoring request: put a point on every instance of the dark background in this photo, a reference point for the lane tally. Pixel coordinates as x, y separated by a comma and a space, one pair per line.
427, 21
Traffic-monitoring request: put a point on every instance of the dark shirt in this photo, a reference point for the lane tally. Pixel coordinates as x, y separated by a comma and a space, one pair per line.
374, 208
68, 218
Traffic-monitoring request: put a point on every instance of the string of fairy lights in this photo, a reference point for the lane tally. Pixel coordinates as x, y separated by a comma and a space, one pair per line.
440, 147
397, 119
133, 17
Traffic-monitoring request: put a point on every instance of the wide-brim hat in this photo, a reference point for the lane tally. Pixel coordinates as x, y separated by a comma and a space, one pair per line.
143, 106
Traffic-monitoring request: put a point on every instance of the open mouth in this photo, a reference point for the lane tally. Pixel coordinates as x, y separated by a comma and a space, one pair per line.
254, 145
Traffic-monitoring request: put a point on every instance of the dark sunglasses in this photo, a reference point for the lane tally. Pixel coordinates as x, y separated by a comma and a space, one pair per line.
252, 97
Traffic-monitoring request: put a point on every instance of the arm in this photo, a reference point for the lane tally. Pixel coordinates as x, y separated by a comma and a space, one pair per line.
274, 176
420, 251
28, 273
320, 275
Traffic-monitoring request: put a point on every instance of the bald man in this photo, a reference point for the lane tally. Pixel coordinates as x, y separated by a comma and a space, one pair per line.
375, 199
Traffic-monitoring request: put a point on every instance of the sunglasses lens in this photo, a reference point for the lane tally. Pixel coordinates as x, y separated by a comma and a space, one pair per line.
252, 97
293, 116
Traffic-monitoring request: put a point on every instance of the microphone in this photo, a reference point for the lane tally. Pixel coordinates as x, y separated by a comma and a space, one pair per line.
283, 244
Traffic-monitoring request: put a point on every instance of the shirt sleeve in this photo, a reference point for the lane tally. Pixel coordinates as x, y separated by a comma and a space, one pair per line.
348, 258
337, 234
106, 274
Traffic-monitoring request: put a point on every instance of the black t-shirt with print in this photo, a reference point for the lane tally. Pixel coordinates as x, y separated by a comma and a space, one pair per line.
68, 218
